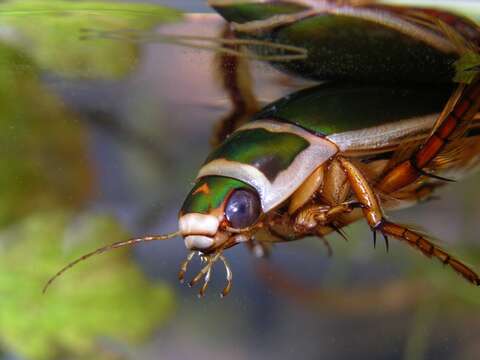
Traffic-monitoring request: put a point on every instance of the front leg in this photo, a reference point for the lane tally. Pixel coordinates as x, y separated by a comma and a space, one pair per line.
320, 220
314, 216
377, 221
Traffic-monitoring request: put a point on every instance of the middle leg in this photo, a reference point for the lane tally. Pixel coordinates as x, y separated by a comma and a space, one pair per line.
374, 215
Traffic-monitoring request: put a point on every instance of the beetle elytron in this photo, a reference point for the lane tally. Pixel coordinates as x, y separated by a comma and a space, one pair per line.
389, 128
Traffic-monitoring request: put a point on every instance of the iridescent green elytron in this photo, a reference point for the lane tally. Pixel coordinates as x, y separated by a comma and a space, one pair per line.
337, 108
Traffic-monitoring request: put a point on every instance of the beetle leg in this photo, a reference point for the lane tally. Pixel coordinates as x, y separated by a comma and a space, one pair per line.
368, 199
429, 249
201, 273
339, 231
420, 194
206, 273
321, 215
304, 193
260, 249
229, 276
205, 283
326, 243
373, 214
365, 194
385, 238
465, 105
184, 266
235, 79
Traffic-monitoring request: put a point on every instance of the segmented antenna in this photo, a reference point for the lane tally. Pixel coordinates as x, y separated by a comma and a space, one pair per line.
107, 248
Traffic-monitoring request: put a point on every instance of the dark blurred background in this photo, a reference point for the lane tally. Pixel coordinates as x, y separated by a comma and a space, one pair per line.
101, 139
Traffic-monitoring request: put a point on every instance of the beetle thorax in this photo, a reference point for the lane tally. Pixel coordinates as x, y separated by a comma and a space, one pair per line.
274, 158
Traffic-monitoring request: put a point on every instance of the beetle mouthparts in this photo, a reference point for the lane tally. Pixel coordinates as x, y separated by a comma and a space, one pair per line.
206, 272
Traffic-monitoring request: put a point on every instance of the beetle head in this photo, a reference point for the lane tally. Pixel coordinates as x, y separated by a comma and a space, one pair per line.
216, 212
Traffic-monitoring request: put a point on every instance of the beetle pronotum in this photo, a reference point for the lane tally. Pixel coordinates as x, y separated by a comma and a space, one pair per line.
322, 158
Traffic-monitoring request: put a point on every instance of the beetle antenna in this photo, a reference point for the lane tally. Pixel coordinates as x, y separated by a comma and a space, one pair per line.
107, 248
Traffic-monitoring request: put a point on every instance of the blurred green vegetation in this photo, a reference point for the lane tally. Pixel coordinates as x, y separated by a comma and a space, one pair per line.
47, 178
108, 299
467, 67
53, 33
44, 160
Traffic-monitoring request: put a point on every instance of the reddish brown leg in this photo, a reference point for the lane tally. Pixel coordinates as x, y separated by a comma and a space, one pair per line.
407, 172
327, 245
235, 79
419, 194
429, 249
373, 213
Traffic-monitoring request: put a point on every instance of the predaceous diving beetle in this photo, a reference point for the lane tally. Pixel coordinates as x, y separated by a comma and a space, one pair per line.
389, 127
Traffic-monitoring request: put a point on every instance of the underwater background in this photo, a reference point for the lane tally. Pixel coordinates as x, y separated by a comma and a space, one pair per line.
101, 138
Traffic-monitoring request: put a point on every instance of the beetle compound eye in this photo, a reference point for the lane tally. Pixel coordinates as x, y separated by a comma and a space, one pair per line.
243, 209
